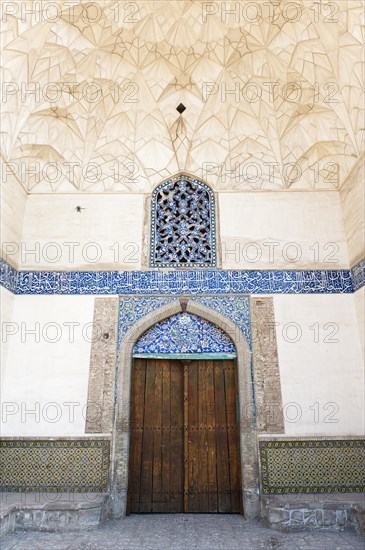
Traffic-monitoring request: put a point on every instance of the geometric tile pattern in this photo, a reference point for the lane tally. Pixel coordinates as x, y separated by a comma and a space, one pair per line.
184, 333
177, 282
336, 466
183, 224
54, 465
358, 275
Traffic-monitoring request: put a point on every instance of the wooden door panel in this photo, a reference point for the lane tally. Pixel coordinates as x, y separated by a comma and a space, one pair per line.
147, 440
223, 485
184, 437
211, 442
212, 466
233, 436
176, 444
156, 449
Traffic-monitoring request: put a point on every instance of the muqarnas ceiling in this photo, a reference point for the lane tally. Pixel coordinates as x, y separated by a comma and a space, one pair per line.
273, 94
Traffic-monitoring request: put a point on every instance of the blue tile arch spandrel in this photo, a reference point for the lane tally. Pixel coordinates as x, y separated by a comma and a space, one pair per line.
133, 308
184, 333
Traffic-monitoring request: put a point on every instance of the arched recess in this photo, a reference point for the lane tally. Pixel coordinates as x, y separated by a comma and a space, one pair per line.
121, 435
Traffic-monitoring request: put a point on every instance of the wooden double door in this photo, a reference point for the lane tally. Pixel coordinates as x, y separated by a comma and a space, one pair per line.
184, 448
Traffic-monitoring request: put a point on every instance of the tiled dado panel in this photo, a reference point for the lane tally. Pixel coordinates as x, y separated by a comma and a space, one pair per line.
31, 465
326, 466
177, 282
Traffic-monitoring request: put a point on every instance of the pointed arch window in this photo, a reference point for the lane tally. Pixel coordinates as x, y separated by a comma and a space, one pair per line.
183, 224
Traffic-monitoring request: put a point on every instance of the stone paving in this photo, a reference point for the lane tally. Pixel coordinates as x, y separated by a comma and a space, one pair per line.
183, 532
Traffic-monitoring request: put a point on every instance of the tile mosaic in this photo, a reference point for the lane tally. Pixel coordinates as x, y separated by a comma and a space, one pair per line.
235, 308
312, 466
132, 309
54, 465
184, 333
175, 282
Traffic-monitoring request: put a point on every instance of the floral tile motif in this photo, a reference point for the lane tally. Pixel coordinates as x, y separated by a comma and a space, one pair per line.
184, 333
325, 466
54, 465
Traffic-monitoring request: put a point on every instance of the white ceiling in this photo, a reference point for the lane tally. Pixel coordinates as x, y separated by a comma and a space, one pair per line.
162, 53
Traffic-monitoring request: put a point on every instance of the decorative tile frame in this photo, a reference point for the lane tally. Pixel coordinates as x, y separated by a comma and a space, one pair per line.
60, 465
312, 466
178, 282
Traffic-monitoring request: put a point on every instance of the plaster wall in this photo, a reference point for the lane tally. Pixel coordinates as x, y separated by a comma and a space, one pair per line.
321, 366
281, 231
47, 370
320, 361
12, 209
353, 205
359, 298
105, 235
6, 315
305, 231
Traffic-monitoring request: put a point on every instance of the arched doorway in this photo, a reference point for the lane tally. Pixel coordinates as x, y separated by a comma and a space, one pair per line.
184, 432
121, 430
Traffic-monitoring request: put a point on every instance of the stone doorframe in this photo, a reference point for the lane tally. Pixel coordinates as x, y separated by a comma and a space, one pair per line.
121, 435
